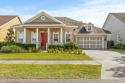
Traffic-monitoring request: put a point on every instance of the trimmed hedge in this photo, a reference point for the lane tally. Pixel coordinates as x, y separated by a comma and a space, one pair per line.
24, 46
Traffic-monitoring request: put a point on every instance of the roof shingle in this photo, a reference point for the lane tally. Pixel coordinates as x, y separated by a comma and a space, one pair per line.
120, 16
5, 19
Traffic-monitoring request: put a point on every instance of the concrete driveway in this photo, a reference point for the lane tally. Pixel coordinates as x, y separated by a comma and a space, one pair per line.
113, 63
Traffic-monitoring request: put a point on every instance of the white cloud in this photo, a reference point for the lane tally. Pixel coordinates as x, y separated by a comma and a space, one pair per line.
94, 11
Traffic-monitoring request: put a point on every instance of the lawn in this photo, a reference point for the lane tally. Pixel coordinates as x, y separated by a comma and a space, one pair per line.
50, 71
117, 50
43, 56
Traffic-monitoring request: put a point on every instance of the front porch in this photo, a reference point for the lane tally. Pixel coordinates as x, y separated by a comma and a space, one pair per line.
41, 36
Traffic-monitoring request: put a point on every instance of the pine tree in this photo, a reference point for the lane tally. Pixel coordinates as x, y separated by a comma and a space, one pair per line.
10, 37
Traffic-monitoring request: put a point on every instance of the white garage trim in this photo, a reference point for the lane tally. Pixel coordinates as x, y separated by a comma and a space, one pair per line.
91, 42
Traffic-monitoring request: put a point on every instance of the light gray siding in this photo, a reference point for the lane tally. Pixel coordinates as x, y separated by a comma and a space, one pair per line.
115, 26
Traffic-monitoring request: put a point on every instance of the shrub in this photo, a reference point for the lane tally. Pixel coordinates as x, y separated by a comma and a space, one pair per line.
6, 49
26, 46
119, 46
34, 50
79, 51
11, 49
69, 47
110, 44
72, 45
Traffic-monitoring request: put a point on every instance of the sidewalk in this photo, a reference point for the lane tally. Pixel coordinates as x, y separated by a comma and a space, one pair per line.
92, 62
59, 81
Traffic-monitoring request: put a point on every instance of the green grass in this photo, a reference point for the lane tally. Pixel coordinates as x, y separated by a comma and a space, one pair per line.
43, 56
117, 50
59, 71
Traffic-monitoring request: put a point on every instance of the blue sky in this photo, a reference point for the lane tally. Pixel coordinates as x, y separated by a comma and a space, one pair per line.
94, 11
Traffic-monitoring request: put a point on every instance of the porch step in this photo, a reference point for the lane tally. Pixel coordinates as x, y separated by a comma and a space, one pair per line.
43, 47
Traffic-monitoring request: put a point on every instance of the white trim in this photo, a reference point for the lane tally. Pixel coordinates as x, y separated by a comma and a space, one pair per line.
89, 26
90, 34
43, 13
102, 42
43, 17
33, 25
88, 42
65, 35
48, 35
37, 36
61, 35
24, 36
53, 37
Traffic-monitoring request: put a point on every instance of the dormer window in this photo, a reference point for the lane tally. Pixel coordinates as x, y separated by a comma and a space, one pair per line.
90, 27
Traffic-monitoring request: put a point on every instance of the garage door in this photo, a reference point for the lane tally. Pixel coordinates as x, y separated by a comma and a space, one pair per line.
90, 42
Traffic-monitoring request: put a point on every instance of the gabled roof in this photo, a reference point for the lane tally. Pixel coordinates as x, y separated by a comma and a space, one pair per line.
96, 30
55, 21
5, 19
69, 21
119, 16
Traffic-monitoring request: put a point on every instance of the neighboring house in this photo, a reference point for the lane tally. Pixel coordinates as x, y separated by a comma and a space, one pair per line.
44, 30
115, 23
5, 23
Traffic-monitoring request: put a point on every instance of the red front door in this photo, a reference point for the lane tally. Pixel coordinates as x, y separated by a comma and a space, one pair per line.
44, 37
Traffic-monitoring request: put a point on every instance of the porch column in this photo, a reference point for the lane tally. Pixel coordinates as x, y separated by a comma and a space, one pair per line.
37, 36
24, 36
48, 35
61, 34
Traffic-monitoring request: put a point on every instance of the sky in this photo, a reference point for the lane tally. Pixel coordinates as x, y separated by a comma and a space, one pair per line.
94, 11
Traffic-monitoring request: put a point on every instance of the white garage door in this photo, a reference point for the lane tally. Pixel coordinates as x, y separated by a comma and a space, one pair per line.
90, 42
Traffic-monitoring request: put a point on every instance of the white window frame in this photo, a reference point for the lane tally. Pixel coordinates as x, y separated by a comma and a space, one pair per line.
43, 17
57, 37
89, 26
66, 34
32, 37
20, 32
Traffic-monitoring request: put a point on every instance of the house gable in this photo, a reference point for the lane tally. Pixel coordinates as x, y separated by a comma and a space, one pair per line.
43, 18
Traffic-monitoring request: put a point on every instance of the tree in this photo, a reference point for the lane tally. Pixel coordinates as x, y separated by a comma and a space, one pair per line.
10, 37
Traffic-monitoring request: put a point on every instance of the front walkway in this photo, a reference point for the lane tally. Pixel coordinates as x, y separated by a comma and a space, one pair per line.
113, 63
92, 62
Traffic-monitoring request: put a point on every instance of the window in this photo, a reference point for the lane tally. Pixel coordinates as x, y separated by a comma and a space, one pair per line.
89, 28
43, 17
33, 37
20, 37
55, 37
67, 36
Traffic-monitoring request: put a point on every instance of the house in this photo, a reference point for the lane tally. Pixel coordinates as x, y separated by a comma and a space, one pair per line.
44, 30
5, 23
115, 23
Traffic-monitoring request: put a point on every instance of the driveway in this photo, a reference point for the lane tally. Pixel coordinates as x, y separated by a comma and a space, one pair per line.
113, 63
